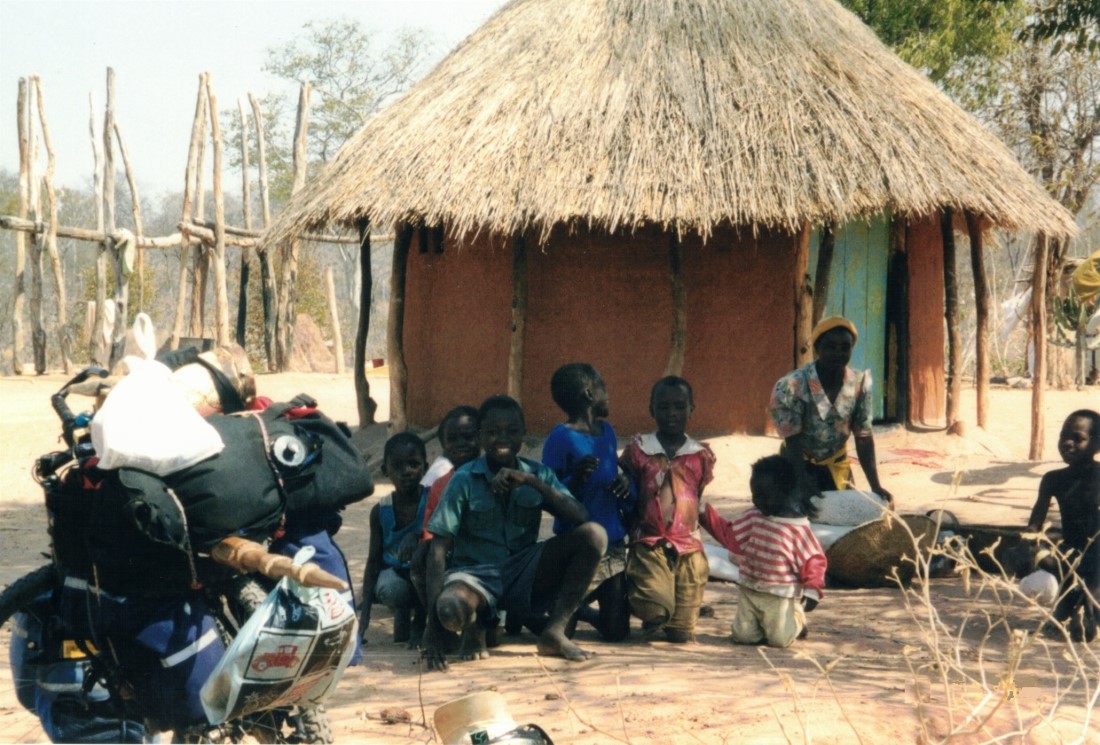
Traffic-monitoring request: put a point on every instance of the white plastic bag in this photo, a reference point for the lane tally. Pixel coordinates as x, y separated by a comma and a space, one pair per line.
292, 651
147, 423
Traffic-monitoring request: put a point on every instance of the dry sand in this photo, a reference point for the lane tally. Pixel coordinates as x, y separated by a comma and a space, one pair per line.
710, 691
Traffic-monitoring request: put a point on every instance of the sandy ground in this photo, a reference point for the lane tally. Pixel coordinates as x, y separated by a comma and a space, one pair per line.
878, 687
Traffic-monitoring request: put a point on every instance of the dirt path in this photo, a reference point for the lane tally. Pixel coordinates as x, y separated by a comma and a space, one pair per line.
709, 692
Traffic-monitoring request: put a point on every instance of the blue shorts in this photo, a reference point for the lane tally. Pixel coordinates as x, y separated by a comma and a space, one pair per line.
506, 585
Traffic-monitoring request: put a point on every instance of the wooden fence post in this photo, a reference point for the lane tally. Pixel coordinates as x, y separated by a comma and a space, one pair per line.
823, 272
267, 271
334, 320
284, 339
62, 328
246, 209
38, 324
19, 293
198, 125
96, 346
221, 291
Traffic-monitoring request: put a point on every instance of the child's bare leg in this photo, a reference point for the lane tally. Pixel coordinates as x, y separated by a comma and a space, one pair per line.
613, 622
579, 552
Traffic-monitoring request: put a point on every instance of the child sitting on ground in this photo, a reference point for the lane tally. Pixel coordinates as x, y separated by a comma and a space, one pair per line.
395, 525
584, 455
782, 564
666, 569
458, 436
1077, 489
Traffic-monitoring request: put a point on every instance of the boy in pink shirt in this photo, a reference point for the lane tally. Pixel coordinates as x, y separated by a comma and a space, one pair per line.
782, 564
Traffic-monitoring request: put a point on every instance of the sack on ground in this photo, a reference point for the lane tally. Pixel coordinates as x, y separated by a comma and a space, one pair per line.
292, 651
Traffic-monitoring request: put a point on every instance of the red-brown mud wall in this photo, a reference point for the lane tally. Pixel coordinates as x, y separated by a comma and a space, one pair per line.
927, 364
605, 300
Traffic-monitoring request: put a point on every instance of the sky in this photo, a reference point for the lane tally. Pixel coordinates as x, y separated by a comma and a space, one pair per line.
158, 48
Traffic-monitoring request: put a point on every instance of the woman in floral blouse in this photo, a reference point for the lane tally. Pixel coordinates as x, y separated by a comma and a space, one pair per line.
819, 405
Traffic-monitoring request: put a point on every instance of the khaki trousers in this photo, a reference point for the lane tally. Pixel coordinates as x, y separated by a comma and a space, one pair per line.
665, 589
765, 617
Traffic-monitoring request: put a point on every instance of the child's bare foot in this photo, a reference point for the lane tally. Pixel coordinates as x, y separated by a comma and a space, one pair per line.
473, 644
554, 643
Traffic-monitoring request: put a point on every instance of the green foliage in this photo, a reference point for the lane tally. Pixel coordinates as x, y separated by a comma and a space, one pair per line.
955, 42
1074, 21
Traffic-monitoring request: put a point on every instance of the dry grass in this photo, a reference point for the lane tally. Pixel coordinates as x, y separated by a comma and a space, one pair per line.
689, 114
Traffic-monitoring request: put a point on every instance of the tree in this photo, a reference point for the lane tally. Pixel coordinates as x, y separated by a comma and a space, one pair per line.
352, 78
1073, 21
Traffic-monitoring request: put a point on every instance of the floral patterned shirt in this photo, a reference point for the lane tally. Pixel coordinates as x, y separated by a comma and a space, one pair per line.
799, 405
691, 468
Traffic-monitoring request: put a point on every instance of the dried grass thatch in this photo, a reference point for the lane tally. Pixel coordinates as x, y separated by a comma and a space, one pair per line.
683, 113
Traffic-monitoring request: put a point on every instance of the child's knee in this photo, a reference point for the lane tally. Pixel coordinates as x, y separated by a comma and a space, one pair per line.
455, 608
593, 537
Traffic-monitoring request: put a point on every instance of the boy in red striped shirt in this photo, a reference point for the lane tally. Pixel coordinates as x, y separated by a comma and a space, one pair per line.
782, 564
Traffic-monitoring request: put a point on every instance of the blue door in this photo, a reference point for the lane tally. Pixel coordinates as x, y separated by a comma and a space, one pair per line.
857, 291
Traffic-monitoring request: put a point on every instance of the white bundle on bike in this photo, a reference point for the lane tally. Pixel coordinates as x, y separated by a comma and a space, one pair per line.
147, 423
292, 651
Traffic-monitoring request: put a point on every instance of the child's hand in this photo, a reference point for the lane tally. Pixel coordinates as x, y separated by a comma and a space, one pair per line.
620, 487
508, 479
407, 547
584, 468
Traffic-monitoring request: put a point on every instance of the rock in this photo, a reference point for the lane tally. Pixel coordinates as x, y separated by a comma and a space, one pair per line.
310, 353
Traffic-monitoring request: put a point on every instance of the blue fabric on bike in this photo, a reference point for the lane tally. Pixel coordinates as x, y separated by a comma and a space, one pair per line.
167, 647
328, 556
53, 687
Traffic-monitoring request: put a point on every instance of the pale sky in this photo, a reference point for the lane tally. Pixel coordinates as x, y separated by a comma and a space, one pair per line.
158, 48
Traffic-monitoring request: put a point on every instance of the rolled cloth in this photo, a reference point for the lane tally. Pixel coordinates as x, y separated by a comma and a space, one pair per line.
830, 323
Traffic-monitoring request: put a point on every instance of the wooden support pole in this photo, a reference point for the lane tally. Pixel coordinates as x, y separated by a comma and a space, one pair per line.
217, 258
246, 209
284, 337
981, 300
267, 271
62, 320
19, 291
803, 298
7, 222
367, 406
1039, 339
96, 344
897, 323
37, 311
334, 320
395, 330
139, 221
678, 341
197, 130
200, 252
951, 314
824, 270
518, 337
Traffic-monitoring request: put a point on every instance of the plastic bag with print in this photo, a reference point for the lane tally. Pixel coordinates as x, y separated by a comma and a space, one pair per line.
292, 651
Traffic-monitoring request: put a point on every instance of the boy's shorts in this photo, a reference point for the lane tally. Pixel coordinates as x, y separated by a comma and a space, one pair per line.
505, 585
613, 562
769, 618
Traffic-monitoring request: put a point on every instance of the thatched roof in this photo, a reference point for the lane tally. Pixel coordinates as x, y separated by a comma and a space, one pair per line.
685, 113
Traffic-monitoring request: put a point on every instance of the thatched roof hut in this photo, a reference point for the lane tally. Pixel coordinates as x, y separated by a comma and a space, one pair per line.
715, 122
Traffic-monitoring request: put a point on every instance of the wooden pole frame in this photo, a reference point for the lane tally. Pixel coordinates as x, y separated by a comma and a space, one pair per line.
824, 270
981, 300
951, 315
284, 324
37, 309
246, 210
518, 336
678, 337
1039, 339
897, 323
222, 336
61, 327
803, 298
365, 404
198, 125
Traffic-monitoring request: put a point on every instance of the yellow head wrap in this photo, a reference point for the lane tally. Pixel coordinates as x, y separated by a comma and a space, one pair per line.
830, 323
